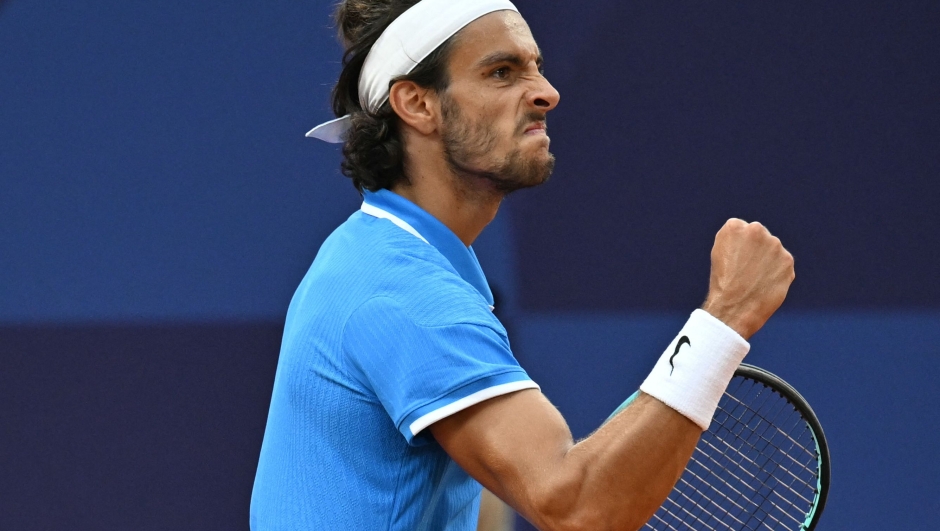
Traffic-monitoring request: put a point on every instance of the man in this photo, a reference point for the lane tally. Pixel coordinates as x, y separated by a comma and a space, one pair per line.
396, 391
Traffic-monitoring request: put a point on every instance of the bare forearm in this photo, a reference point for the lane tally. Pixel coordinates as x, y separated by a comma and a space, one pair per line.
617, 478
631, 463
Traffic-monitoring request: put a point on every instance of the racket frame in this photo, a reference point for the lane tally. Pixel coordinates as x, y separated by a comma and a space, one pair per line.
799, 403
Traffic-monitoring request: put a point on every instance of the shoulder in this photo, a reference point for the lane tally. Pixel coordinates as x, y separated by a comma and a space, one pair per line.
402, 275
425, 310
379, 246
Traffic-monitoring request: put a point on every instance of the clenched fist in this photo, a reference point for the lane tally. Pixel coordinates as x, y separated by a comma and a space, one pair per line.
751, 273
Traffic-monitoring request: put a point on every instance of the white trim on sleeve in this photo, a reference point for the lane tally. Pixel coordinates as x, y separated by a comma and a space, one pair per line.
467, 401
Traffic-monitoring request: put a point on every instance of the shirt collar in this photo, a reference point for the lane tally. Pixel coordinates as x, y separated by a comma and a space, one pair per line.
461, 257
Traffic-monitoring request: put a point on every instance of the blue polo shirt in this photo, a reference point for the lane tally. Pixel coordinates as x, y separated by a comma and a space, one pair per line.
390, 331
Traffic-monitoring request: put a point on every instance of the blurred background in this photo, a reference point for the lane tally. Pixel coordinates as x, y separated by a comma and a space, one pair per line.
159, 204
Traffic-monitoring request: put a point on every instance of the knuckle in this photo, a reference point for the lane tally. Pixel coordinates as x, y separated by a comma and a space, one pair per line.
756, 230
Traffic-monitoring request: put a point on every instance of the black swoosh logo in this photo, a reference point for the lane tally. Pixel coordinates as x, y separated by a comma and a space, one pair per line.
684, 340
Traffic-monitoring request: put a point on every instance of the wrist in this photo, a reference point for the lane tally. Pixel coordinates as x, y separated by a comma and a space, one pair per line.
732, 316
693, 372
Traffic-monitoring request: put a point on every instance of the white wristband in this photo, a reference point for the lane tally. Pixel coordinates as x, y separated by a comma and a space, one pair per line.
694, 372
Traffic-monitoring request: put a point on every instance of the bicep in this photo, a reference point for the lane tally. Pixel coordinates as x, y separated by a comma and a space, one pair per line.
512, 444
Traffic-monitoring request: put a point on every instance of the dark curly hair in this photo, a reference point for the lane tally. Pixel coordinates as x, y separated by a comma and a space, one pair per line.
373, 153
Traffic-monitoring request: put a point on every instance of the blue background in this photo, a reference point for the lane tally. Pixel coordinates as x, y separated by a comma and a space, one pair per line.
159, 204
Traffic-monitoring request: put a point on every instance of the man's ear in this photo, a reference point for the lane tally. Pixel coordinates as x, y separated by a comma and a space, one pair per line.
415, 105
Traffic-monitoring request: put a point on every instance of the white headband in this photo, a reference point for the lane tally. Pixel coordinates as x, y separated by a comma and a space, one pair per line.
407, 41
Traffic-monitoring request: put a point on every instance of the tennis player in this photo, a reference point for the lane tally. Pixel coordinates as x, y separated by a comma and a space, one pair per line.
396, 392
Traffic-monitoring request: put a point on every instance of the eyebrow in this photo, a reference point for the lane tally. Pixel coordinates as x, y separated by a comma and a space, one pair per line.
507, 57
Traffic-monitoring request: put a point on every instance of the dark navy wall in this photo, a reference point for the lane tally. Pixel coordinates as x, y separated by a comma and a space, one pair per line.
132, 427
821, 120
158, 205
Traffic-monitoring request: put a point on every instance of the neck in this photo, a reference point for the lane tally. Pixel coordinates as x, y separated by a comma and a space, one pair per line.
466, 204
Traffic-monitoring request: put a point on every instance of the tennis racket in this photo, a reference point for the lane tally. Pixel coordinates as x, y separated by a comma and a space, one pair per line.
763, 465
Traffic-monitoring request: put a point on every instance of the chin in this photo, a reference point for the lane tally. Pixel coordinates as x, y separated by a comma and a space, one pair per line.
530, 172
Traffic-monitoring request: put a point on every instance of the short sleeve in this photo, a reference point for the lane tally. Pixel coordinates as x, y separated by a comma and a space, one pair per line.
422, 373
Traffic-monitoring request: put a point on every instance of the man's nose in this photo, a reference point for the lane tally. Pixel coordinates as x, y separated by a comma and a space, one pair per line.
543, 95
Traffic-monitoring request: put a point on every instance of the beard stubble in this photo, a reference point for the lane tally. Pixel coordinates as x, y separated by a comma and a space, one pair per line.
466, 141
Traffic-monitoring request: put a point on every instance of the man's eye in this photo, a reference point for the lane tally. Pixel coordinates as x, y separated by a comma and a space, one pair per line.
501, 73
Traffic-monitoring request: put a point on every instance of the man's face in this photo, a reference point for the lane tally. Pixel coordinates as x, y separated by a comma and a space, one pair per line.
493, 111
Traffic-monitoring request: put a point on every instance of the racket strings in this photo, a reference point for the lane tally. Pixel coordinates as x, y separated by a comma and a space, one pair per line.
712, 492
784, 433
766, 427
754, 470
797, 422
703, 509
794, 477
730, 451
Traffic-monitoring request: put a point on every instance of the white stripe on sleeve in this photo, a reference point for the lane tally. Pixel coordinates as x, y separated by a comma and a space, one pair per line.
467, 401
